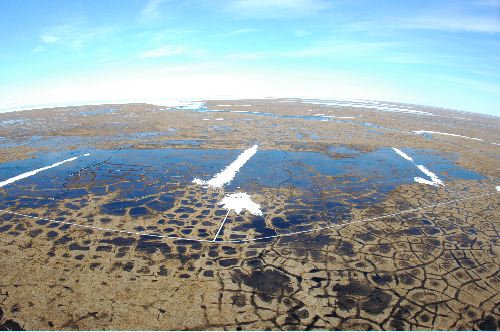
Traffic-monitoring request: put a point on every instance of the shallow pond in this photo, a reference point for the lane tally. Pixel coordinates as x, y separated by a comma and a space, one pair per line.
156, 184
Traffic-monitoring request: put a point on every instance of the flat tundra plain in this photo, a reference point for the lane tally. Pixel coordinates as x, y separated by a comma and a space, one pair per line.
249, 215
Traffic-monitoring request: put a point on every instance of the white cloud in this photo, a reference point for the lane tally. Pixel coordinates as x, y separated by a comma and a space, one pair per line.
341, 47
483, 86
236, 32
246, 56
210, 80
169, 50
455, 23
458, 16
151, 11
494, 3
277, 8
325, 49
480, 16
427, 59
50, 39
76, 34
163, 51
301, 33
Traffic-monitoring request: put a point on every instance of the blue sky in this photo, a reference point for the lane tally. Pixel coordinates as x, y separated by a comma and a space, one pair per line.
439, 53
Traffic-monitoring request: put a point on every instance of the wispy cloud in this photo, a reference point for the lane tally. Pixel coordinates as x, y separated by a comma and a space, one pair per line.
168, 51
163, 36
249, 56
458, 16
407, 58
236, 32
75, 34
483, 86
49, 39
480, 16
342, 48
491, 73
152, 10
301, 33
493, 3
455, 23
277, 8
164, 51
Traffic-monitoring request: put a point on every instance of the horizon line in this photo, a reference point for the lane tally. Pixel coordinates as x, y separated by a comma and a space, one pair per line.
18, 107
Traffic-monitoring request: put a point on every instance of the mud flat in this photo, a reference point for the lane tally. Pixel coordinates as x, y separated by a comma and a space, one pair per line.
372, 215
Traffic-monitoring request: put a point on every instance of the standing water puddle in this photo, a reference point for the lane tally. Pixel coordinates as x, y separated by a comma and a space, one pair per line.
317, 117
151, 190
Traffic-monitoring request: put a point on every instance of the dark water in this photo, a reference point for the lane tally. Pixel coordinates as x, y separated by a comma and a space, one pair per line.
203, 109
304, 169
184, 142
150, 181
98, 112
6, 123
87, 142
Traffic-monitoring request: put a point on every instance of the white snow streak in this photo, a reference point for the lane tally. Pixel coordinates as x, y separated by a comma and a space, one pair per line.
446, 134
435, 181
227, 175
239, 202
33, 172
368, 104
402, 154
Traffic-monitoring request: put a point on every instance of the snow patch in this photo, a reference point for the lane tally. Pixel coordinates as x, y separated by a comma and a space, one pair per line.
199, 181
239, 202
435, 180
368, 104
402, 154
33, 172
227, 175
446, 134
179, 103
